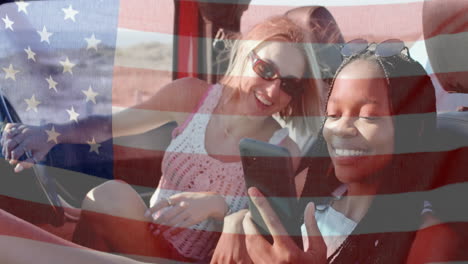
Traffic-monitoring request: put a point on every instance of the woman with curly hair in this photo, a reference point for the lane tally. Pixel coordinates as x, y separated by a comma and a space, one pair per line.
363, 195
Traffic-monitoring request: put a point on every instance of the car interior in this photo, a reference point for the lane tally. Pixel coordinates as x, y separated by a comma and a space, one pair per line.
58, 190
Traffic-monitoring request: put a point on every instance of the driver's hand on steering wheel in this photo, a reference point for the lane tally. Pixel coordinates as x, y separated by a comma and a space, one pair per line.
19, 139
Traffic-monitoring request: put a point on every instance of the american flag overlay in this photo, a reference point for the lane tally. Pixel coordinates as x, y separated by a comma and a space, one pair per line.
47, 52
62, 61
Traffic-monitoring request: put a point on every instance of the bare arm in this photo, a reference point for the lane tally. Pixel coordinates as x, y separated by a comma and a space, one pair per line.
172, 102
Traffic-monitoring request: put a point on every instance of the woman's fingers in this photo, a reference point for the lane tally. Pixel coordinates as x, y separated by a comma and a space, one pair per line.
8, 133
14, 143
8, 146
17, 152
180, 223
316, 243
172, 216
165, 216
26, 164
231, 245
310, 222
249, 226
233, 222
32, 158
254, 241
10, 129
11, 141
184, 209
269, 216
173, 220
156, 207
176, 205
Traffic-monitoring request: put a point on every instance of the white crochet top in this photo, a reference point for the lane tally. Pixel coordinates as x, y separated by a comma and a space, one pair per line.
187, 167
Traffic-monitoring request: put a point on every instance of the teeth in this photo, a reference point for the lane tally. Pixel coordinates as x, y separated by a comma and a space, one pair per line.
263, 99
349, 152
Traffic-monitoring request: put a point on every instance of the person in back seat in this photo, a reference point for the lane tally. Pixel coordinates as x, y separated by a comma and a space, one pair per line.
445, 27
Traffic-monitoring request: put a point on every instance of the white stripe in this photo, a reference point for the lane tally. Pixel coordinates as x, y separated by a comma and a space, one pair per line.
129, 37
452, 44
144, 50
459, 189
138, 49
63, 176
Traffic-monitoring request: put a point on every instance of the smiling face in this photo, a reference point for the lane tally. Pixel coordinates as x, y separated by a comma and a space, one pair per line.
359, 129
261, 97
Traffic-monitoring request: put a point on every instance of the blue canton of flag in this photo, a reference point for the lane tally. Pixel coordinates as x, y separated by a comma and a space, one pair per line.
56, 65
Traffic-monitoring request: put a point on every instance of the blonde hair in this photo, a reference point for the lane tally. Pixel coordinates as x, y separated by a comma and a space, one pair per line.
281, 29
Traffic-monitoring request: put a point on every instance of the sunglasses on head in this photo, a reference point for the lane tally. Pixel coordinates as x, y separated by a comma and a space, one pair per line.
387, 48
268, 71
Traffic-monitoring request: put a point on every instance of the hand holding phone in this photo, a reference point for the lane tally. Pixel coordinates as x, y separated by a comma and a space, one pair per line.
269, 168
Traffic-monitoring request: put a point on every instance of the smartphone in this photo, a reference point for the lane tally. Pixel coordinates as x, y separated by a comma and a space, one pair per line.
269, 168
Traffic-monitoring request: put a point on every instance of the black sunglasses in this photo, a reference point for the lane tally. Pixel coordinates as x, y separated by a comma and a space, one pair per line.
387, 48
268, 71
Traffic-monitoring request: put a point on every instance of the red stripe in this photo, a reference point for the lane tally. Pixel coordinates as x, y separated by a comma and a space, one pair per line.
31, 211
137, 166
374, 22
187, 55
14, 227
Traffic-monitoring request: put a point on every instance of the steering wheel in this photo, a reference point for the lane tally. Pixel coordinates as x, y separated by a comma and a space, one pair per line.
53, 211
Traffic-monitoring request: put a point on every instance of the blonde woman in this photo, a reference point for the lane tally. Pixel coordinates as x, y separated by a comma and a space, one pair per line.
272, 71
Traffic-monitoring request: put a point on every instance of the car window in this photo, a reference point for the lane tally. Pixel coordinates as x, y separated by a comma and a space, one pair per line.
64, 60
